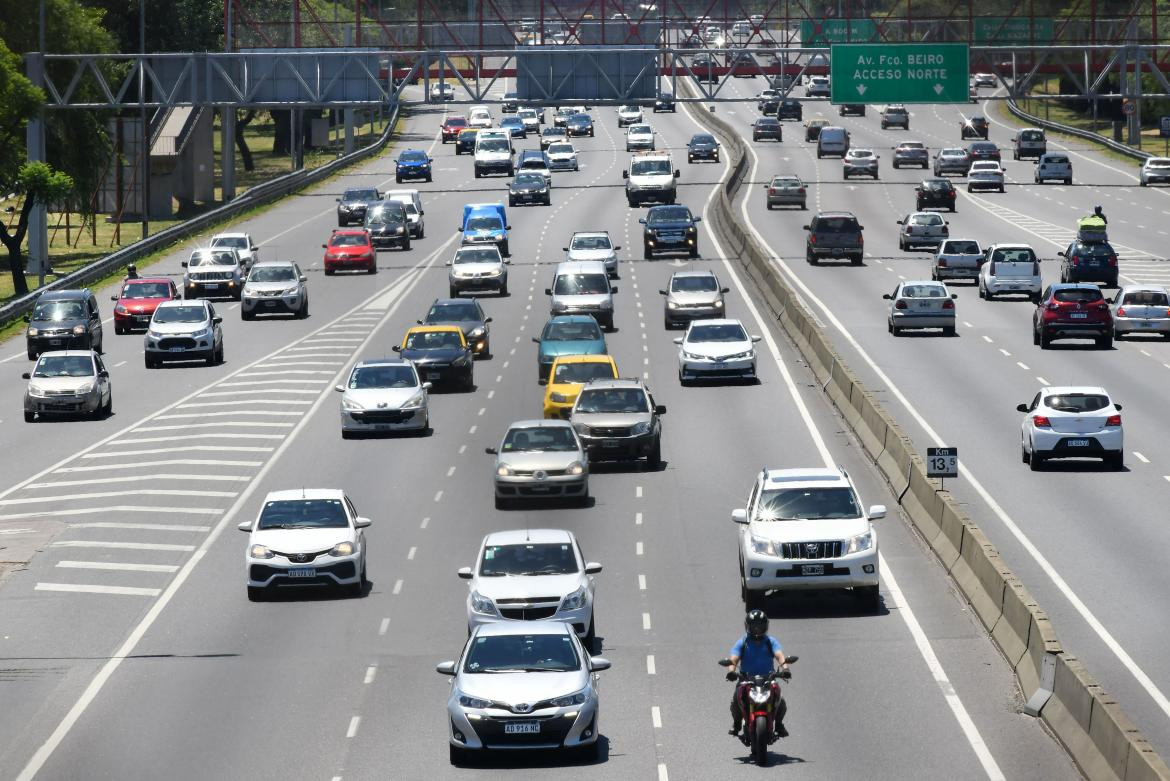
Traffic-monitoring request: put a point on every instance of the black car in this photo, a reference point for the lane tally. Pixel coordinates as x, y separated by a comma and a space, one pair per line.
465, 141
64, 320
439, 357
388, 225
703, 67
983, 150
790, 108
1089, 261
834, 235
511, 103
670, 228
855, 109
702, 146
579, 125
351, 206
935, 193
664, 102
769, 106
975, 127
529, 188
767, 127
467, 314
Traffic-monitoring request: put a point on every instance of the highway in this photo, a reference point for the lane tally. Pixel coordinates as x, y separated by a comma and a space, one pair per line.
130, 649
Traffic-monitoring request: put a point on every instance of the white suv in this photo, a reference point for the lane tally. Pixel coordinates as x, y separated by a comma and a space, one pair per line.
805, 529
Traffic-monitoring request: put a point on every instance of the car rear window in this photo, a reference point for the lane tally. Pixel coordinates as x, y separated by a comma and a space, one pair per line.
923, 291
936, 184
1022, 255
1077, 295
837, 225
1076, 402
961, 247
1146, 298
926, 219
583, 372
1096, 250
1059, 160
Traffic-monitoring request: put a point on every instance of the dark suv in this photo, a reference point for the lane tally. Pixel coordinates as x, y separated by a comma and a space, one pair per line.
1094, 261
664, 102
64, 320
834, 235
670, 228
936, 193
388, 225
790, 108
351, 206
1072, 312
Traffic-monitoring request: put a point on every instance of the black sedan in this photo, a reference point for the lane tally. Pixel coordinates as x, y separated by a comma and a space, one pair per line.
664, 102
529, 188
936, 193
467, 314
790, 108
702, 146
579, 125
767, 127
440, 355
670, 229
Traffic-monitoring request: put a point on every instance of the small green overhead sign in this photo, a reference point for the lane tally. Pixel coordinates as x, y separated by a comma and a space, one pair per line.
899, 73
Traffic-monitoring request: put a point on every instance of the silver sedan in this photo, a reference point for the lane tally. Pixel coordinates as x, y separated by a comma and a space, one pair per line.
921, 304
922, 229
540, 459
1141, 309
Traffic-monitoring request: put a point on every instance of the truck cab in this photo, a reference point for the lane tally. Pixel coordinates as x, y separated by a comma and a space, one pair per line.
486, 223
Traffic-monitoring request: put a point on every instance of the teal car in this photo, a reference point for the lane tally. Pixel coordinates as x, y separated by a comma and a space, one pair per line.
567, 335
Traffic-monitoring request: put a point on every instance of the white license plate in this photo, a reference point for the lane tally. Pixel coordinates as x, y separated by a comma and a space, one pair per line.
522, 728
176, 349
1146, 325
142, 318
924, 305
303, 572
212, 287
1078, 315
1077, 443
812, 569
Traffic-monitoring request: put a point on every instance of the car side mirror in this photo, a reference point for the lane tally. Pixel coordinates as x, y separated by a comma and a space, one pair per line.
1022, 408
397, 348
598, 663
805, 227
464, 573
244, 526
660, 409
303, 278
507, 262
491, 451
564, 249
113, 298
548, 291
697, 219
361, 522
324, 246
1118, 407
183, 264
427, 386
337, 199
217, 319
1061, 254
26, 376
625, 174
641, 220
860, 227
662, 292
877, 511
536, 340
724, 290
420, 322
507, 227
677, 173
445, 668
739, 516
617, 247
487, 320
339, 388
592, 568
612, 289
954, 296
886, 296
678, 340
756, 338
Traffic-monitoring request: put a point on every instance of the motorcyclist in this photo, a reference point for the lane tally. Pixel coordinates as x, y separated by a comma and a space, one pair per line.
1097, 212
132, 271
754, 654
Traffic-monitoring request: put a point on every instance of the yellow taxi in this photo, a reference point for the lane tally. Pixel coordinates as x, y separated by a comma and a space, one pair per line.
440, 353
568, 374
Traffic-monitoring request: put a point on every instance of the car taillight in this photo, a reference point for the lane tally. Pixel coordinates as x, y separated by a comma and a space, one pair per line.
1053, 306
1076, 261
812, 238
1112, 260
942, 262
1036, 268
951, 193
1121, 312
1041, 421
900, 304
948, 304
1101, 307
1113, 420
802, 191
771, 191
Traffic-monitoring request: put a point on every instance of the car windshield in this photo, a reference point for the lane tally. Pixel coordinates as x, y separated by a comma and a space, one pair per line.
591, 242
146, 290
961, 248
926, 219
571, 332
1076, 402
550, 558
791, 504
557, 149
767, 122
837, 225
650, 168
212, 258
303, 514
239, 242
384, 215
348, 240
529, 180
1077, 295
180, 314
727, 332
703, 140
629, 110
521, 653
456, 122
360, 195
494, 145
382, 377
64, 366
986, 167
477, 255
983, 147
526, 113
1022, 255
511, 122
1146, 298
579, 119
272, 274
668, 214
485, 222
434, 340
923, 291
454, 312
613, 400
584, 371
580, 285
696, 284
554, 439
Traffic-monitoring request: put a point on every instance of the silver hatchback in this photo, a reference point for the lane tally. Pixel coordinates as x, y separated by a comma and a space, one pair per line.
692, 295
540, 459
1141, 309
274, 287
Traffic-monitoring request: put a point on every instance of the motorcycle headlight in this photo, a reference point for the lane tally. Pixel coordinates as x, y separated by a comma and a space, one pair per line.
862, 542
78, 330
575, 600
640, 428
342, 549
350, 405
763, 547
577, 698
415, 402
482, 605
260, 552
760, 695
575, 468
474, 702
503, 470
33, 332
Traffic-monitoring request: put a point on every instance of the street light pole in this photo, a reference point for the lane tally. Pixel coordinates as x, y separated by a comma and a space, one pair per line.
144, 189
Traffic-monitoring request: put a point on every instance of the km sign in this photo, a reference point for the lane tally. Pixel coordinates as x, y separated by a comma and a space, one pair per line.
899, 73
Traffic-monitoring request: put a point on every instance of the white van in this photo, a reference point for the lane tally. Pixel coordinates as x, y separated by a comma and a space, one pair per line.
581, 287
1010, 268
493, 153
833, 141
412, 201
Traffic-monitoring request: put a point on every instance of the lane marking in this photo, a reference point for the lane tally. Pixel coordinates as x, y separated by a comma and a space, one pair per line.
383, 627
397, 586
353, 726
91, 589
116, 566
650, 668
122, 508
1140, 457
656, 717
638, 548
641, 582
1023, 366
108, 494
646, 621
156, 527
638, 519
410, 553
371, 671
159, 546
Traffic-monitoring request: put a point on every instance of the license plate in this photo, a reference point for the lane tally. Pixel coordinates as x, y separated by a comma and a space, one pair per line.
836, 253
270, 304
212, 287
522, 728
142, 318
432, 375
924, 305
383, 427
540, 489
1146, 325
812, 569
1077, 443
303, 572
1079, 315
176, 349
54, 341
611, 444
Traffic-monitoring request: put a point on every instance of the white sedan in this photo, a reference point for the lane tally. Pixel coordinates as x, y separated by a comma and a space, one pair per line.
306, 537
628, 115
562, 156
639, 137
1071, 422
382, 396
716, 348
985, 175
921, 304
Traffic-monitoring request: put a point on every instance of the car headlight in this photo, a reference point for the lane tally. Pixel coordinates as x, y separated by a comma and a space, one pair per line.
290, 291
559, 398
78, 330
640, 428
476, 333
694, 356
542, 190
862, 542
474, 702
260, 552
575, 600
718, 304
33, 332
202, 333
764, 547
153, 335
575, 468
400, 230
35, 392
481, 604
342, 549
741, 356
350, 405
503, 470
121, 310
415, 402
671, 305
495, 272
577, 698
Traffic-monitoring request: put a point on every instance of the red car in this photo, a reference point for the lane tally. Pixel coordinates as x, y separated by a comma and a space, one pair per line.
350, 249
452, 127
138, 300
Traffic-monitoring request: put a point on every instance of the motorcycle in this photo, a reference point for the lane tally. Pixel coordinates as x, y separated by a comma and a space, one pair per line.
762, 701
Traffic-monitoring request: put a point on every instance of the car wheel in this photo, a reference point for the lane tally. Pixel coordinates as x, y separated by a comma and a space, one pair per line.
1035, 337
469, 381
452, 292
457, 756
329, 272
857, 259
591, 633
150, 364
769, 206
588, 752
1025, 457
1105, 342
1036, 462
429, 177
1045, 341
504, 290
29, 416
654, 460
217, 357
119, 329
357, 590
647, 254
108, 408
244, 315
398, 179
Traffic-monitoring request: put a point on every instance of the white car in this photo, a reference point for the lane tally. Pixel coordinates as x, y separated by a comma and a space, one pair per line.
306, 537
539, 460
921, 304
984, 80
68, 382
1071, 422
442, 91
716, 348
1141, 309
957, 259
530, 118
805, 529
242, 243
527, 686
594, 245
562, 156
477, 268
531, 575
985, 175
384, 395
1154, 170
479, 117
817, 87
410, 201
639, 137
859, 162
1053, 165
628, 115
1009, 268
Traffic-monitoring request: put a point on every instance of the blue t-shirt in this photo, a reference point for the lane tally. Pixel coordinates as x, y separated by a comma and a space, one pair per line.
756, 657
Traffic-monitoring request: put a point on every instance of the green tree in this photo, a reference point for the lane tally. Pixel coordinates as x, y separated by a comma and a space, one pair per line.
38, 183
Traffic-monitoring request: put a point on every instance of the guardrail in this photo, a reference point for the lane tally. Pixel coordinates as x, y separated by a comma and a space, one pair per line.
1088, 135
1099, 737
252, 197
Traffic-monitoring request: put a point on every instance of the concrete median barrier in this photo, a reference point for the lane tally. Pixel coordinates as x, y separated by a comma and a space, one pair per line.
1092, 727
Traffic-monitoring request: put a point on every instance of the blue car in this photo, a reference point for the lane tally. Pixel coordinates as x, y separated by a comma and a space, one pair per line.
412, 164
567, 335
514, 126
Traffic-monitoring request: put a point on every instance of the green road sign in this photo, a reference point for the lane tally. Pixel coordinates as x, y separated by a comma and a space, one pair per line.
999, 30
820, 32
899, 73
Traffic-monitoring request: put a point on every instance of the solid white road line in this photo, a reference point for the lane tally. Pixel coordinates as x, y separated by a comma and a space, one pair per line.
186, 427
184, 449
84, 589
203, 435
118, 566
121, 508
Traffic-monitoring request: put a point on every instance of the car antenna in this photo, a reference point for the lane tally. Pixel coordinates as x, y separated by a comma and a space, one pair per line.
527, 536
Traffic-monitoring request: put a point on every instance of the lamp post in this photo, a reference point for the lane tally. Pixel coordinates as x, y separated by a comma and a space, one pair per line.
145, 173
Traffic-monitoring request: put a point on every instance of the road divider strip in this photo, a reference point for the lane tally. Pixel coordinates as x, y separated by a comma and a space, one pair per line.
1090, 724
